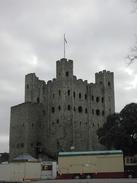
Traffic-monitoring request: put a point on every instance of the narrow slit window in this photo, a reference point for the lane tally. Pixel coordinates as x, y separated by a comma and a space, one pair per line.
97, 112
68, 107
79, 95
109, 83
38, 100
102, 99
80, 109
86, 111
59, 107
67, 73
103, 113
74, 94
27, 86
68, 92
97, 99
53, 109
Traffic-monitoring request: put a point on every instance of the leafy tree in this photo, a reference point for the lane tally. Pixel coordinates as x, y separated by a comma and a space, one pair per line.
120, 130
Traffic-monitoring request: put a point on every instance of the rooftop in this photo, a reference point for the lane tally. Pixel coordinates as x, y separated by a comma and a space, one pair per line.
90, 153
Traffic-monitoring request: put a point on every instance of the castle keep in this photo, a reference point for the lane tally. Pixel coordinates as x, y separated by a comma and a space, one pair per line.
62, 114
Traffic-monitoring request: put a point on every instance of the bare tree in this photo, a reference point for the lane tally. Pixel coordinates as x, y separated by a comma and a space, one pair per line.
132, 57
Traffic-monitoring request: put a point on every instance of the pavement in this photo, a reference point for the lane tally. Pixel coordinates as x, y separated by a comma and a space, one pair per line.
89, 181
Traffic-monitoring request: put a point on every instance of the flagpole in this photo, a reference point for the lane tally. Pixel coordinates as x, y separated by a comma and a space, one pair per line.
64, 46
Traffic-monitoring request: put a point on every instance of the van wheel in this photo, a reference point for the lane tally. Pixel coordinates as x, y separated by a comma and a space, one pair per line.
77, 177
88, 177
130, 176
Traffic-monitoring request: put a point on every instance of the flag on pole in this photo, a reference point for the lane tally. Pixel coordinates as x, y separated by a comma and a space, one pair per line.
65, 42
65, 39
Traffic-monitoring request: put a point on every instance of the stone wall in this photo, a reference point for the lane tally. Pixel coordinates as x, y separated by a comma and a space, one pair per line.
25, 129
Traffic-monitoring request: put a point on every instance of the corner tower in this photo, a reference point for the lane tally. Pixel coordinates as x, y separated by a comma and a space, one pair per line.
64, 69
106, 80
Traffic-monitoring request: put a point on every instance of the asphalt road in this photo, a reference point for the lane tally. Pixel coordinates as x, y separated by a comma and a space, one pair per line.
90, 181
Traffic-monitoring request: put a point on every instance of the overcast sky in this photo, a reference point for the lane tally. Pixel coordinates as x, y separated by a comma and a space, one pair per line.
100, 34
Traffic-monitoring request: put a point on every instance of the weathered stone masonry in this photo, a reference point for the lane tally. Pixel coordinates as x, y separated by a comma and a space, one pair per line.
61, 113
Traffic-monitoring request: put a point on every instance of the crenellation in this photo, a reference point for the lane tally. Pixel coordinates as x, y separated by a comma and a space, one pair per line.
104, 71
85, 82
61, 113
49, 82
80, 81
63, 60
70, 62
74, 77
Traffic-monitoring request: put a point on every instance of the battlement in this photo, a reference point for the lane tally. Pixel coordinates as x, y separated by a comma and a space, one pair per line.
104, 78
34, 88
104, 72
64, 61
31, 74
74, 78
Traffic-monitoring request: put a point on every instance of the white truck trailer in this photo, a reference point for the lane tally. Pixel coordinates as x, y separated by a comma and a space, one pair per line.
91, 164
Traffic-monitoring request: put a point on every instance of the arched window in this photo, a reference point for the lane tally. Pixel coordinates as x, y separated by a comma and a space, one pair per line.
68, 107
85, 96
86, 111
97, 112
102, 99
97, 99
92, 98
53, 109
68, 92
109, 84
37, 99
22, 145
67, 73
80, 109
59, 107
103, 113
74, 94
27, 86
79, 95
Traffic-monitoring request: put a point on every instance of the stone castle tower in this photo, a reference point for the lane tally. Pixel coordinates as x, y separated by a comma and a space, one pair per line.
62, 113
